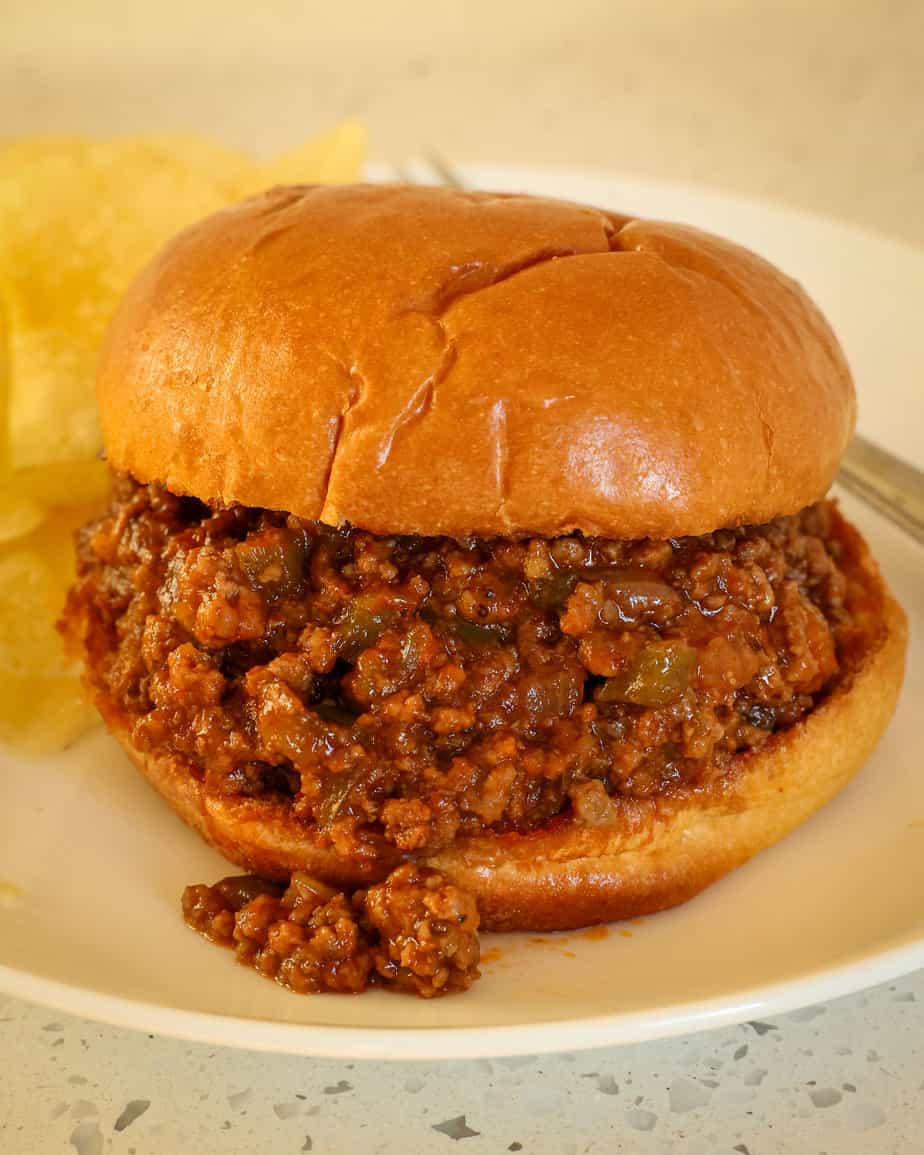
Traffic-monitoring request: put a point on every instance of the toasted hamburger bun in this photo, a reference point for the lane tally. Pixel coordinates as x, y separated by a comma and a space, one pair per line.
416, 360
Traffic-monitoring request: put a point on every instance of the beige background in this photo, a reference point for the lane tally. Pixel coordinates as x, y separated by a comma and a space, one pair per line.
817, 103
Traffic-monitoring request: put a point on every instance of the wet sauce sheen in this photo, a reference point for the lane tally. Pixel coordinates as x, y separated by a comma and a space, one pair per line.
399, 692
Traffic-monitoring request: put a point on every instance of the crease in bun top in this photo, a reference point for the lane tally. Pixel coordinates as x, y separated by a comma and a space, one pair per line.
482, 534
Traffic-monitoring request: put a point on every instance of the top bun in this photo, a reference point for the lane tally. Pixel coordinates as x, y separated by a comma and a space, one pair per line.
421, 360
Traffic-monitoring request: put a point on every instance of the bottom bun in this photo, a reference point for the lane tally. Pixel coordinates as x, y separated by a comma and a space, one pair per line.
650, 853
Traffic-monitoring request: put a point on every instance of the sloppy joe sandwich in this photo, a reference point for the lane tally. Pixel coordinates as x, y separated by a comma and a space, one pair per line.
483, 538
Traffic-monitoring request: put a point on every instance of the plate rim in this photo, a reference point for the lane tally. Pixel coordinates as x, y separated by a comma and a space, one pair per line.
404, 1044
682, 187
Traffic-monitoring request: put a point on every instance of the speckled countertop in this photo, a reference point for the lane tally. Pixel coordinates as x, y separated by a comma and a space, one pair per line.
817, 103
840, 1079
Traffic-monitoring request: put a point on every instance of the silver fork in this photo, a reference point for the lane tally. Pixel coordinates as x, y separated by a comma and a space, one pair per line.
879, 478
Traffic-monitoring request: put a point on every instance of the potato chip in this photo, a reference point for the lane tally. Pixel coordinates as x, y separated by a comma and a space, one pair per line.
19, 515
42, 715
41, 704
78, 218
35, 573
337, 157
28, 603
82, 482
4, 378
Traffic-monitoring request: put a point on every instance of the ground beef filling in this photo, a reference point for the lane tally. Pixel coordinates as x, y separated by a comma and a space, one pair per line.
414, 932
401, 692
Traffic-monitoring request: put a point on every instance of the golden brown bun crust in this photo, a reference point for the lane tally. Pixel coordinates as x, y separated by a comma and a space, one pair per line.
418, 360
654, 853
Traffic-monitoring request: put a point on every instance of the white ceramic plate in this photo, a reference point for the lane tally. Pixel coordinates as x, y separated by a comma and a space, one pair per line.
101, 862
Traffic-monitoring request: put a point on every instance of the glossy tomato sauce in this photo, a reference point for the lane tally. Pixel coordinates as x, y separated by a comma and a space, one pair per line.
399, 692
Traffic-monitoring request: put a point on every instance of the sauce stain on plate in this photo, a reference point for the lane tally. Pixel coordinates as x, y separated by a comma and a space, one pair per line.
559, 942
